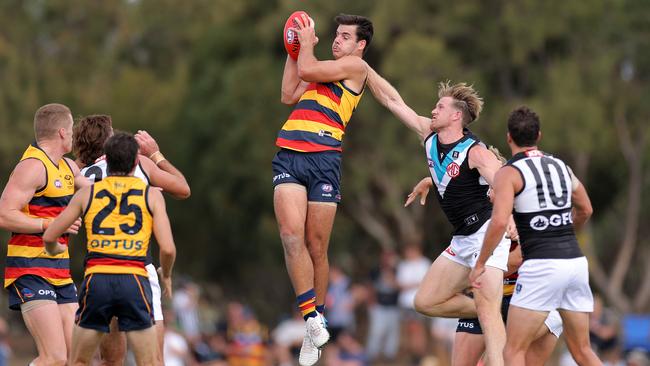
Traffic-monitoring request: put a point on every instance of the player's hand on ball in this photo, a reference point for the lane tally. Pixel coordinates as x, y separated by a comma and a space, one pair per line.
305, 30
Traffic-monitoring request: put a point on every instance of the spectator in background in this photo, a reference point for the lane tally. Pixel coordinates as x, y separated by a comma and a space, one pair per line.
604, 330
410, 272
5, 350
349, 352
247, 338
175, 348
340, 303
185, 303
287, 338
384, 314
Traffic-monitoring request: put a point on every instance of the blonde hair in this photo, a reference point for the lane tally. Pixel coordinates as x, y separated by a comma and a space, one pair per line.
498, 154
49, 119
466, 99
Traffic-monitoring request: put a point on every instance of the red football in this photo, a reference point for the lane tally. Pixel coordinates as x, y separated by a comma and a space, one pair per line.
291, 43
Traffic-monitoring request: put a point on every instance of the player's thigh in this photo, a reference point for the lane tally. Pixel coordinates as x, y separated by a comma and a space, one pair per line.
113, 345
522, 326
491, 291
541, 348
44, 323
84, 344
467, 349
290, 205
576, 327
67, 312
140, 342
444, 279
320, 219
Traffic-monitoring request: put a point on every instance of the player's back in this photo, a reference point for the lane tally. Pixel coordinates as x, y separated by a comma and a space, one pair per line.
542, 209
99, 170
118, 223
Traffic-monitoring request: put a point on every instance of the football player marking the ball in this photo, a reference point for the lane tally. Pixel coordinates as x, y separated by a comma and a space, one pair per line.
120, 213
547, 201
307, 169
461, 168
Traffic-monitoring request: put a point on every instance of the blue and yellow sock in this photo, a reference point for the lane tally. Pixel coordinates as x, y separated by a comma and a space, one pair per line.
307, 304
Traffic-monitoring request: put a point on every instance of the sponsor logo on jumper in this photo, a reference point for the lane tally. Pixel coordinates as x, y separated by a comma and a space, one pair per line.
455, 154
453, 170
57, 183
324, 133
430, 162
466, 325
541, 222
471, 220
518, 288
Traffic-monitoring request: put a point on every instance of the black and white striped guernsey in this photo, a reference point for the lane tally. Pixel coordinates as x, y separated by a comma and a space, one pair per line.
542, 209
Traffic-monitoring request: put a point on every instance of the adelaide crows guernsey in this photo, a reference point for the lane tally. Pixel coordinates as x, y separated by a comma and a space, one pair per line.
461, 191
542, 209
118, 224
25, 252
318, 121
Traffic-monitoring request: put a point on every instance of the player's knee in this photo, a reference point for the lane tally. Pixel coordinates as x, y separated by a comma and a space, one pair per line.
317, 252
292, 243
581, 353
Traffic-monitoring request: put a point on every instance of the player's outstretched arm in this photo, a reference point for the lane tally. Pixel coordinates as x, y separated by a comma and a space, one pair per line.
163, 233
388, 96
28, 177
292, 87
162, 174
67, 221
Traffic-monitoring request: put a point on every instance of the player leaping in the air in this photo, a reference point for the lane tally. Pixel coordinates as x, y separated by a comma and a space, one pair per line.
307, 169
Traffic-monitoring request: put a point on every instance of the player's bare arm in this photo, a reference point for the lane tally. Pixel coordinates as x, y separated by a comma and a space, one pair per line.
485, 162
351, 69
505, 183
388, 96
421, 189
582, 209
163, 174
163, 234
25, 180
61, 224
292, 87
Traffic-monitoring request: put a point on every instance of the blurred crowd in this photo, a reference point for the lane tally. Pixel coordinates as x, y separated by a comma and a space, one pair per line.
371, 322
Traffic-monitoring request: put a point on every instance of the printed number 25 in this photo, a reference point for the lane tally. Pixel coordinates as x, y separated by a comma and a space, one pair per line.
125, 209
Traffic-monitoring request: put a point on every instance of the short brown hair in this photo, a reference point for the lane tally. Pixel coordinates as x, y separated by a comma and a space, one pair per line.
49, 119
121, 151
466, 99
89, 137
365, 29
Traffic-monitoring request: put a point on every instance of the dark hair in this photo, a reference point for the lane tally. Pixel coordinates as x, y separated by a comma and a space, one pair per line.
365, 29
523, 126
89, 136
121, 150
